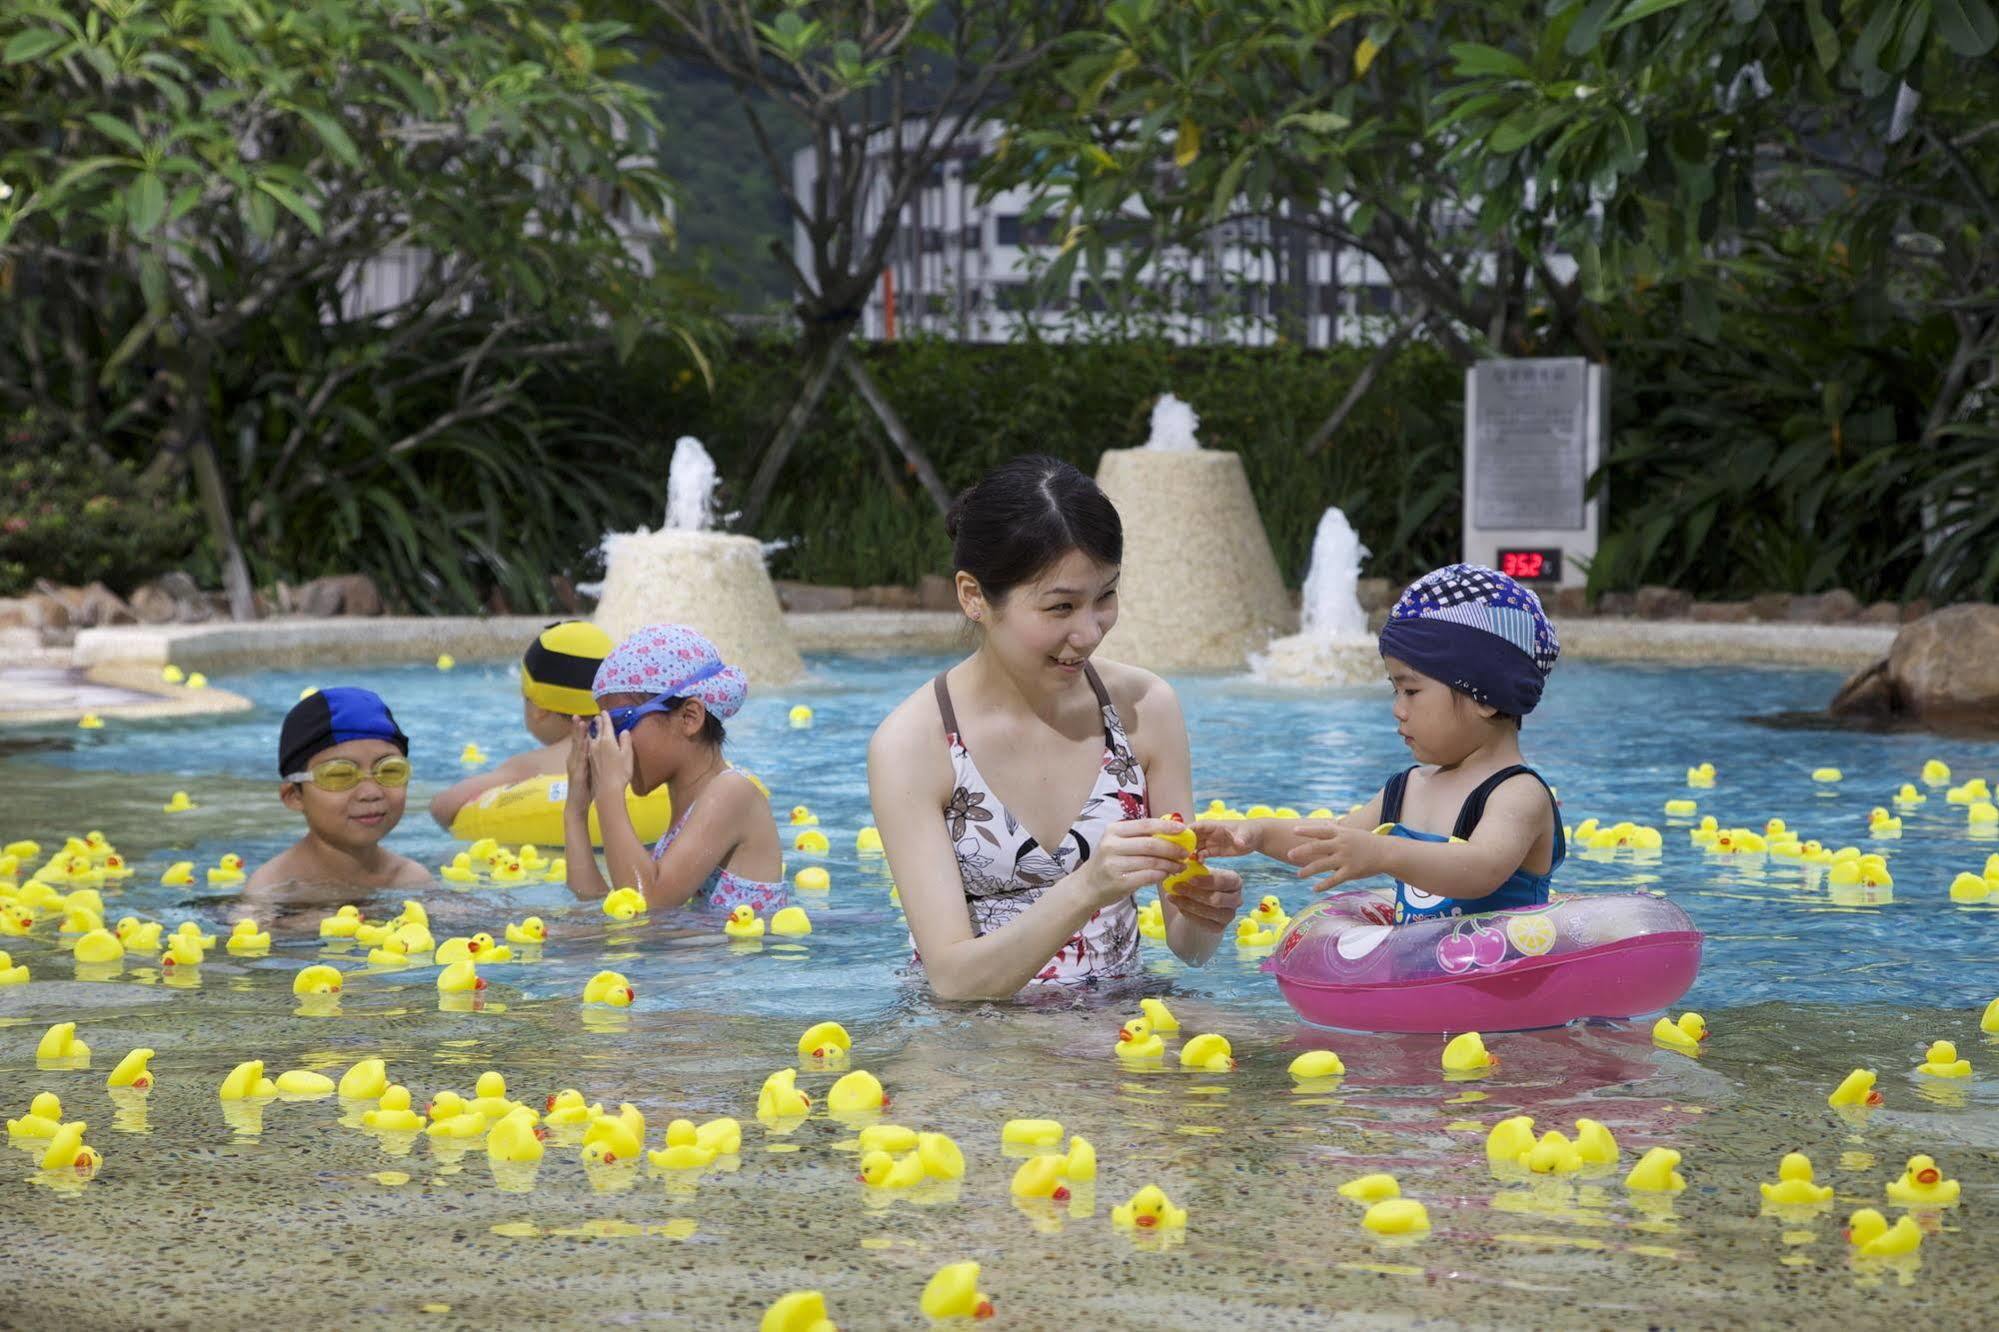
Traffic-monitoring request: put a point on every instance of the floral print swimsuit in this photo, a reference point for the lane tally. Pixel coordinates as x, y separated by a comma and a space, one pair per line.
1005, 870
724, 889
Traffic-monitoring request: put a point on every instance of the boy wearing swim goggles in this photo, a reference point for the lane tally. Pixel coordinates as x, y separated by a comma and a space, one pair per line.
345, 765
556, 673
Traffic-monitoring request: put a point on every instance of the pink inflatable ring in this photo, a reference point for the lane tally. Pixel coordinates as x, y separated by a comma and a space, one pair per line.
1344, 963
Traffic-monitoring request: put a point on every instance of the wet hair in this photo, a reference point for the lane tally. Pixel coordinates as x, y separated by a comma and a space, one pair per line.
1025, 515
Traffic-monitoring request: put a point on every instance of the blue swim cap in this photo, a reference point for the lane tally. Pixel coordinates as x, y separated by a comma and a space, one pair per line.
332, 717
1479, 632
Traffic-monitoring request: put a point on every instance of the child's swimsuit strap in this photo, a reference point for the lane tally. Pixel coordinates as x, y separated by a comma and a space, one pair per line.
1391, 795
1474, 807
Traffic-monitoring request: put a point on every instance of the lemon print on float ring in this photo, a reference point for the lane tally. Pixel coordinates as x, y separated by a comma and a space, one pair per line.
1533, 934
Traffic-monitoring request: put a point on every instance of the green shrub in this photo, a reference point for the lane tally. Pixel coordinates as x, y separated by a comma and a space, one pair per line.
73, 518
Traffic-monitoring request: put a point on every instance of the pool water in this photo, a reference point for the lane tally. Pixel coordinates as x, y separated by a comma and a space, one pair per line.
1799, 983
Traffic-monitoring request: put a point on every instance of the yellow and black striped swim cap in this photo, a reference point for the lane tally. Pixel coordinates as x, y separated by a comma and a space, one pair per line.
559, 665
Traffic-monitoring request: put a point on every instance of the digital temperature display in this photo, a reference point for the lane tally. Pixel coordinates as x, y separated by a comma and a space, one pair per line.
1538, 565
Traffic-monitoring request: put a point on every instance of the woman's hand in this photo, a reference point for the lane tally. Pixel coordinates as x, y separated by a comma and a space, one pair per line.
580, 790
1338, 853
1210, 901
1131, 856
610, 759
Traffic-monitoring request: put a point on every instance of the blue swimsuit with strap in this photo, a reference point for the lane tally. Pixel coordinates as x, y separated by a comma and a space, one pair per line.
1523, 887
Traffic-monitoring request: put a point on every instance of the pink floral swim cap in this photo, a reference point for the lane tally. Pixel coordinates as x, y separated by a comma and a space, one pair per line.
675, 661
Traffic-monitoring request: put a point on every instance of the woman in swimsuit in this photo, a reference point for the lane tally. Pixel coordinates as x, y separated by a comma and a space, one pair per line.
1016, 792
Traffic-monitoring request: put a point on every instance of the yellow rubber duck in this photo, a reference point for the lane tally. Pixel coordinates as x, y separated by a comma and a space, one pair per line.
66, 1151
460, 978
1149, 1209
800, 716
803, 817
1941, 1061
171, 674
1045, 1176
813, 879
472, 756
743, 923
1794, 1186
228, 872
462, 1126
868, 839
1135, 1040
99, 945
90, 721
1031, 1132
890, 1138
1553, 1154
1371, 1189
779, 1098
791, 922
568, 1107
1209, 1052
364, 1080
1315, 1064
721, 1136
515, 1137
179, 803
1702, 776
528, 931
1249, 934
1656, 1173
342, 924
1682, 809
1595, 1144
609, 987
1970, 888
1988, 1022
374, 934
1684, 1035
44, 1117
1935, 772
612, 1139
798, 1311
303, 1083
196, 680
12, 972
940, 1156
1872, 1237
1972, 791
1909, 797
1510, 1139
1827, 775
463, 948
317, 979
686, 1156
392, 1112
1397, 1216
115, 870
81, 919
1982, 813
1857, 1089
445, 661
457, 873
247, 1082
855, 1093
1881, 823
812, 842
511, 870
823, 1040
880, 1170
1923, 1185
1159, 1015
16, 921
60, 1043
1269, 912
1152, 920
181, 950
1466, 1053
953, 1292
245, 939
139, 936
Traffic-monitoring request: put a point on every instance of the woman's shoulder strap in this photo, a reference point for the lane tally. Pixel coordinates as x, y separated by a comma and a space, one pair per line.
944, 708
1474, 807
1392, 791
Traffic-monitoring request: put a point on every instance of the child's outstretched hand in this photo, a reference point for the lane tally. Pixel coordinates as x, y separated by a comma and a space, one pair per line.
1337, 852
1221, 841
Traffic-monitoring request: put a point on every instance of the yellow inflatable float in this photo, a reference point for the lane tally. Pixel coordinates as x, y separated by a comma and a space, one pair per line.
531, 811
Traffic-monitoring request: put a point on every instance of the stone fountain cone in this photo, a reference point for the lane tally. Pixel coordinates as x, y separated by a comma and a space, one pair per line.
1200, 589
714, 582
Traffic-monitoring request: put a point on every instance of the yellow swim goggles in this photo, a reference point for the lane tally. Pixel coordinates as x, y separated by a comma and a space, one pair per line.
346, 774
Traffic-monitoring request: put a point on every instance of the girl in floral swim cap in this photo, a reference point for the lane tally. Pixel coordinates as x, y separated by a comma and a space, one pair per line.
664, 694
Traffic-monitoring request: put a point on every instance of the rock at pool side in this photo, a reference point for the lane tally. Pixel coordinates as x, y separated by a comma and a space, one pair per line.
1942, 668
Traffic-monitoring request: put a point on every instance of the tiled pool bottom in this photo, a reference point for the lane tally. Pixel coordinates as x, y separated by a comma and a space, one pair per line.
195, 1219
